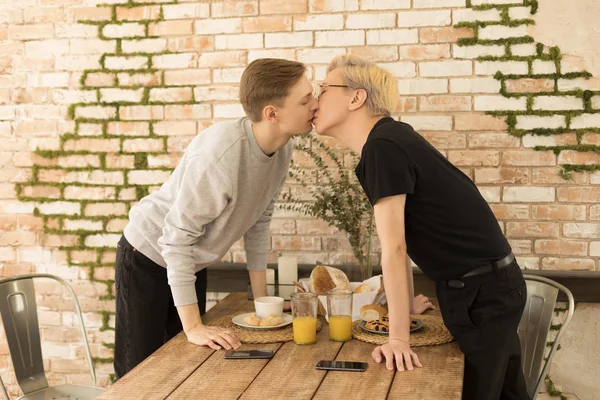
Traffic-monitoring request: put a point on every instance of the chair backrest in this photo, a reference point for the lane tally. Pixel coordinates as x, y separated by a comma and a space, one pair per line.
534, 328
19, 316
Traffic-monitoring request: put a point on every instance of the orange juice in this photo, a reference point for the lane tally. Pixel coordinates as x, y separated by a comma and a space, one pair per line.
305, 330
340, 328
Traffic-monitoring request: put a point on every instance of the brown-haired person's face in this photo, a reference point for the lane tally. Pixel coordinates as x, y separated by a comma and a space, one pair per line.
295, 117
333, 98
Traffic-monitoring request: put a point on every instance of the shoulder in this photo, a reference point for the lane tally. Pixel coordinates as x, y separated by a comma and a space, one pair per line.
218, 138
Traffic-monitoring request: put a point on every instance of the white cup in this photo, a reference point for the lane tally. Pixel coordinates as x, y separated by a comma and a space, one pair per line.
268, 305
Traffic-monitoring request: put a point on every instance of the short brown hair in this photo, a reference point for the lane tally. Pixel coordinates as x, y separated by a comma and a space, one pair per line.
267, 80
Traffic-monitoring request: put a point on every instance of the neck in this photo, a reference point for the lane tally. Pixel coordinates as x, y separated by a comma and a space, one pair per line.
268, 140
359, 130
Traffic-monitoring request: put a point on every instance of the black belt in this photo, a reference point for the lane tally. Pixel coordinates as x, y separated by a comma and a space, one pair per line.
502, 263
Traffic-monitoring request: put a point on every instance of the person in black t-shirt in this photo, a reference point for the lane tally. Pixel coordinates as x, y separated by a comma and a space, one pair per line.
428, 209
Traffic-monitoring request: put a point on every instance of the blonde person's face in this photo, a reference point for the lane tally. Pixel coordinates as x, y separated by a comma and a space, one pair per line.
295, 117
333, 99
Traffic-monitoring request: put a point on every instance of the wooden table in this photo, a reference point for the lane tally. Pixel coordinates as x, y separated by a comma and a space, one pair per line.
180, 370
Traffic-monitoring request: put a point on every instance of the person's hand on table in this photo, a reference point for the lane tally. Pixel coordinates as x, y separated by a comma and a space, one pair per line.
421, 304
214, 337
398, 351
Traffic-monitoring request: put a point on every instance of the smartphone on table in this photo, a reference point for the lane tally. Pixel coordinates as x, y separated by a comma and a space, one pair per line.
248, 354
356, 366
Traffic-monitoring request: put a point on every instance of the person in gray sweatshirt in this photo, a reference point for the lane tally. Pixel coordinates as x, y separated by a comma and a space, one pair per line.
224, 188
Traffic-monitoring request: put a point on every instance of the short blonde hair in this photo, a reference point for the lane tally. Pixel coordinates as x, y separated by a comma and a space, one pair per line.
380, 85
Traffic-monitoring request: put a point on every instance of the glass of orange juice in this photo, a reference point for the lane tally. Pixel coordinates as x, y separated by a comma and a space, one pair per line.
339, 313
304, 314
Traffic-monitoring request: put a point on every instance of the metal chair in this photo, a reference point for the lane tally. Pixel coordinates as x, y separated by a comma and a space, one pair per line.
534, 328
19, 316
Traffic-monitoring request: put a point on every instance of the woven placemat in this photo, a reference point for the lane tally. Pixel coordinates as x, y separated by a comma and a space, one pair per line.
285, 334
434, 332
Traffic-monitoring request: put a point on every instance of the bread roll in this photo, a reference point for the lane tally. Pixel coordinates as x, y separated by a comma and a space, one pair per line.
372, 312
362, 288
325, 278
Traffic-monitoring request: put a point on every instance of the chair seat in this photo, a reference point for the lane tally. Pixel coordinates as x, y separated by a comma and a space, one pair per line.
65, 392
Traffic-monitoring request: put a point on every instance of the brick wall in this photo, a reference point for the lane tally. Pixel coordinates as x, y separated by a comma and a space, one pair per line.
98, 100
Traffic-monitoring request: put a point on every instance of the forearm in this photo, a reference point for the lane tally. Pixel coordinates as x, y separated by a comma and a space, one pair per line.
190, 316
395, 276
258, 281
411, 284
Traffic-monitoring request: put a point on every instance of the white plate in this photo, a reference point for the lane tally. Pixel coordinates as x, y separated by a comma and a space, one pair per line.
239, 321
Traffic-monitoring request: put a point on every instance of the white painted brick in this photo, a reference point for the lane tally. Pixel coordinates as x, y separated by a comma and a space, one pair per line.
519, 12
228, 111
77, 63
370, 21
428, 123
566, 67
61, 96
581, 230
92, 46
422, 86
185, 11
58, 350
477, 51
494, 32
523, 50
214, 26
401, 69
77, 224
288, 54
470, 15
557, 103
528, 194
529, 263
409, 19
596, 102
490, 194
95, 112
474, 85
147, 177
36, 255
124, 30
543, 67
384, 4
318, 56
319, 22
227, 75
299, 39
540, 140
585, 121
333, 5
342, 38
481, 2
498, 103
573, 84
393, 36
144, 45
175, 61
595, 249
16, 207
110, 95
537, 122
51, 79
445, 68
216, 93
47, 47
136, 62
106, 240
66, 30
8, 113
438, 3
242, 41
59, 207
506, 67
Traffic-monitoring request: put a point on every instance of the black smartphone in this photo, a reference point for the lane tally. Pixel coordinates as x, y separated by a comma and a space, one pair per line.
342, 365
247, 354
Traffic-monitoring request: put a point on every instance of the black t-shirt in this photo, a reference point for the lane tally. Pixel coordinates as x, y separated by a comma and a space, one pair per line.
449, 227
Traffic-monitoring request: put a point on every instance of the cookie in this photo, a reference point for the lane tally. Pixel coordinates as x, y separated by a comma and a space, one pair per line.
378, 326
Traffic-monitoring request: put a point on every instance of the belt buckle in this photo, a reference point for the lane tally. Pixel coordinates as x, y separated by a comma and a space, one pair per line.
456, 284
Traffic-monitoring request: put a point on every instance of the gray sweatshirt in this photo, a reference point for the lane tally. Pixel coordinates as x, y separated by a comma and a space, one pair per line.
223, 188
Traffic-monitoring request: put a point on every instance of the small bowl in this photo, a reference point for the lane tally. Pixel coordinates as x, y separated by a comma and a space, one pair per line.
268, 305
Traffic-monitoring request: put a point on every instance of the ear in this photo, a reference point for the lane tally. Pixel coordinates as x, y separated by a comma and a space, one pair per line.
270, 114
358, 99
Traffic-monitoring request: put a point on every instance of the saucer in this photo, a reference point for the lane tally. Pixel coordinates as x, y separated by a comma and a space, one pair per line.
239, 321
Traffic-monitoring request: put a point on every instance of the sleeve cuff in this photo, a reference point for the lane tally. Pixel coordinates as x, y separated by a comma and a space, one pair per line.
184, 295
256, 261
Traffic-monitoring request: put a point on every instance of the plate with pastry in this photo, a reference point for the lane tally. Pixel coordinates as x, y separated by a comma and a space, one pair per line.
381, 326
252, 321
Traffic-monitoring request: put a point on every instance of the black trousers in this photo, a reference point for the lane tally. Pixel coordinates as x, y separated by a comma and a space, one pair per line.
146, 315
483, 317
